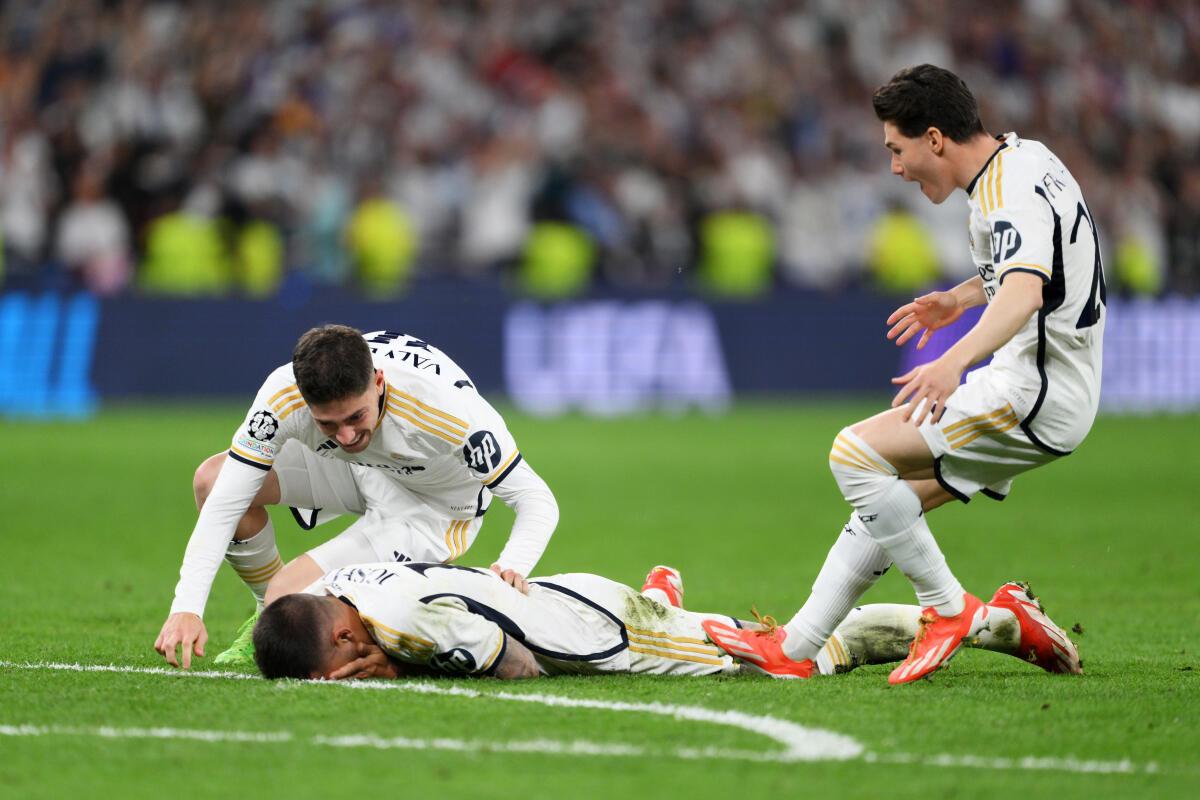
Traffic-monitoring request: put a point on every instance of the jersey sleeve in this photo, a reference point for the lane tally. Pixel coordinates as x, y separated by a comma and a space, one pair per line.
251, 454
536, 510
489, 451
1021, 223
269, 423
439, 632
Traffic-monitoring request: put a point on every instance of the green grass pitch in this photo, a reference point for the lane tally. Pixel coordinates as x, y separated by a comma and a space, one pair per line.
94, 517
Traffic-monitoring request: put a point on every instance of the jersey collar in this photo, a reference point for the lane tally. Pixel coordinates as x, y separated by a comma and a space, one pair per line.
1003, 139
382, 401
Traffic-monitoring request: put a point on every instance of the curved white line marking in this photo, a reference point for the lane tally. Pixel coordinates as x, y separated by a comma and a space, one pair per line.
800, 743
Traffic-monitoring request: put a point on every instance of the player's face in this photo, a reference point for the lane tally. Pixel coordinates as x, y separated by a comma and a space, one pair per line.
351, 421
919, 160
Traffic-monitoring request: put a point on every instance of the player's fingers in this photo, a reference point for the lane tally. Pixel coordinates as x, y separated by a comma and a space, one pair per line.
900, 313
927, 404
920, 406
925, 338
940, 412
348, 670
906, 377
910, 332
167, 647
900, 325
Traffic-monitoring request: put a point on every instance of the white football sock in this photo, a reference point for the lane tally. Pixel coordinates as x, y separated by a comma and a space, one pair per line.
1000, 632
852, 566
891, 512
256, 560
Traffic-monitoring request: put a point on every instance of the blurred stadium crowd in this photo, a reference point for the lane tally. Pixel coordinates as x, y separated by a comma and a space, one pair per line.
214, 147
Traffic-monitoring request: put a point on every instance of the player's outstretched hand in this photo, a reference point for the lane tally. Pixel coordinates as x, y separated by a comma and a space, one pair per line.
182, 629
927, 388
372, 662
927, 313
512, 578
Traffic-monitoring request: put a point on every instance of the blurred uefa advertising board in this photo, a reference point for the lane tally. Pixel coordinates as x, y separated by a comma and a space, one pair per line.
63, 354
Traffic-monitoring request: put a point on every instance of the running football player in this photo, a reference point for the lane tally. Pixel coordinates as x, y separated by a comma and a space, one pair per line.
1035, 246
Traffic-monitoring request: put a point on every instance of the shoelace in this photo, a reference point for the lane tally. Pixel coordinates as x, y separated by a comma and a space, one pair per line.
766, 621
927, 619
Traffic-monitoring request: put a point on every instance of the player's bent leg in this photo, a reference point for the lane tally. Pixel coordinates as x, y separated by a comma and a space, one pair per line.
931, 493
891, 510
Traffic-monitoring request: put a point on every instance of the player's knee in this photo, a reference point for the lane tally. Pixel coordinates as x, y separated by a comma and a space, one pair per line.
205, 477
860, 472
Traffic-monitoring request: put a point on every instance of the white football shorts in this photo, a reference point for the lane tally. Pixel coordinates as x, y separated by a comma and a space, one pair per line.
978, 445
662, 640
395, 524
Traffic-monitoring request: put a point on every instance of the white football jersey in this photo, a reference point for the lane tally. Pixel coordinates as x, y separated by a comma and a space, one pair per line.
1027, 214
437, 435
459, 620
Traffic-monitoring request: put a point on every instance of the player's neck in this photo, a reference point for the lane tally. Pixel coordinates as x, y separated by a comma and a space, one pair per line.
971, 158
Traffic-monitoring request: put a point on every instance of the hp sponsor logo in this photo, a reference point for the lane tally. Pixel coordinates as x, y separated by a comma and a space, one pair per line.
1006, 241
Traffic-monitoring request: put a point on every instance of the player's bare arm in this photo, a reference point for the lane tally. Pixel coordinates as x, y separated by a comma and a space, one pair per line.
927, 388
516, 663
184, 630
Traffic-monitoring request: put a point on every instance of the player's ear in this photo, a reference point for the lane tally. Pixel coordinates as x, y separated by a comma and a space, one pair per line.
936, 140
343, 634
379, 380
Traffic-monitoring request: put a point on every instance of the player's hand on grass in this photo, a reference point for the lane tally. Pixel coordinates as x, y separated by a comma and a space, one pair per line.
927, 313
182, 629
512, 578
927, 388
372, 662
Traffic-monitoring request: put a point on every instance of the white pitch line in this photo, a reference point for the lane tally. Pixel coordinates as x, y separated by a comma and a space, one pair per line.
578, 747
800, 743
109, 732
1048, 763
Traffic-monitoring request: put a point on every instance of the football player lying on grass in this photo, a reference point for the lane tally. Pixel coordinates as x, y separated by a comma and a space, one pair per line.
398, 620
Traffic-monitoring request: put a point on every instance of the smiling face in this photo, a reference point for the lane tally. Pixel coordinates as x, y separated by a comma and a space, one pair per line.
352, 420
921, 159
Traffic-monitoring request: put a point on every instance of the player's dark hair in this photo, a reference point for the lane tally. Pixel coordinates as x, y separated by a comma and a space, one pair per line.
289, 637
331, 363
923, 97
